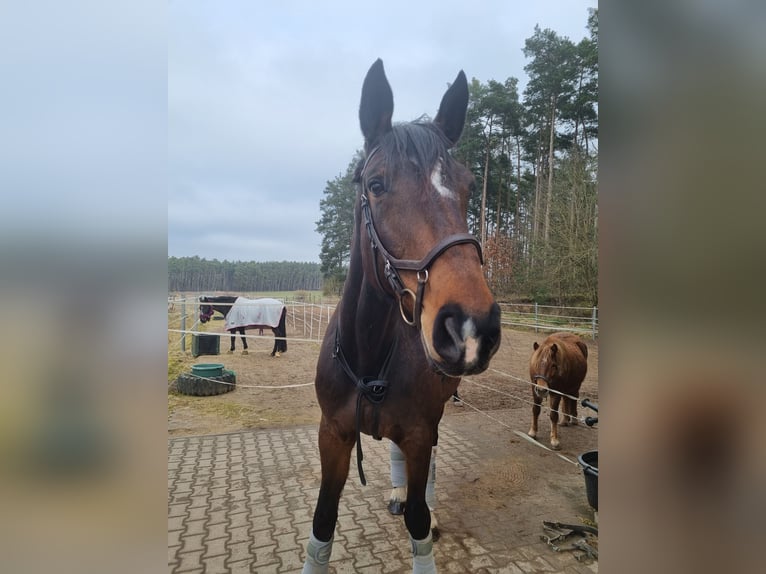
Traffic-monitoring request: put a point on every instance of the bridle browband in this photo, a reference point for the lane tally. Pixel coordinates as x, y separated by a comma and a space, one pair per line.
393, 264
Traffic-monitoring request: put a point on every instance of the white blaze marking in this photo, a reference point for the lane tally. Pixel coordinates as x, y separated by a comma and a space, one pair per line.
436, 181
471, 342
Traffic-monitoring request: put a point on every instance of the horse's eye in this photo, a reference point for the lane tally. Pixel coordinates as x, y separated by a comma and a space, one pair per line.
375, 186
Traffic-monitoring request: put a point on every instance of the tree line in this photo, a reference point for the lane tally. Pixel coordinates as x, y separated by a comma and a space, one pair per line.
196, 274
534, 156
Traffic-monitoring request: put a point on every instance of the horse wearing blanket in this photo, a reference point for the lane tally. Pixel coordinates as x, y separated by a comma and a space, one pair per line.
241, 314
415, 314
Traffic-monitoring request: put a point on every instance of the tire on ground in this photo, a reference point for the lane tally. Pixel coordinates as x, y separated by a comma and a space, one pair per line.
188, 384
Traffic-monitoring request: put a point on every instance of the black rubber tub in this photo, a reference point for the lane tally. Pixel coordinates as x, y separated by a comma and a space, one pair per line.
589, 463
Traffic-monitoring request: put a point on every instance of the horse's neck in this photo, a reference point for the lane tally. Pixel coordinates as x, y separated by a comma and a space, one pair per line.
367, 321
226, 304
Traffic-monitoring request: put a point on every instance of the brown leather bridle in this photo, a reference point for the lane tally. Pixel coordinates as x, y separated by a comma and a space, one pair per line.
392, 265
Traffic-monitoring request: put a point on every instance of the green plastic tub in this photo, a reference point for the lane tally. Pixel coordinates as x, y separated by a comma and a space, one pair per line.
208, 370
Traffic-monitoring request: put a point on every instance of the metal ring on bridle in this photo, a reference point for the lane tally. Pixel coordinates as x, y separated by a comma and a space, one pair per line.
425, 279
410, 322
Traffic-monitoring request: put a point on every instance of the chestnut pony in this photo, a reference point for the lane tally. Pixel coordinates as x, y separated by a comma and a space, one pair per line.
415, 314
559, 364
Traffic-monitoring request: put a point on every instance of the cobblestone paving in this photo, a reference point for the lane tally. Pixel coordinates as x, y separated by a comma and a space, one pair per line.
243, 502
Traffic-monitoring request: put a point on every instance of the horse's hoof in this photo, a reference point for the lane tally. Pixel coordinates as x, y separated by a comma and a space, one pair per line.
532, 434
555, 446
230, 352
396, 507
244, 352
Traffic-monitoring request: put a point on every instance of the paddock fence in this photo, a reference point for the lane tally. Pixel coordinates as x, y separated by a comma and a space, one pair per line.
308, 321
580, 320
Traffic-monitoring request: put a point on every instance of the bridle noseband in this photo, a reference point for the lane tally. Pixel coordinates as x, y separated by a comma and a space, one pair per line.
393, 264
205, 316
546, 379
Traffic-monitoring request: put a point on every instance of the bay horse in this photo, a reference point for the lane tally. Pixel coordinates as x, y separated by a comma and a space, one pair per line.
415, 314
559, 364
242, 314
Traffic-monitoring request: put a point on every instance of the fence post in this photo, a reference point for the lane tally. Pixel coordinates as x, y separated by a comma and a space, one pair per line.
593, 323
183, 325
536, 329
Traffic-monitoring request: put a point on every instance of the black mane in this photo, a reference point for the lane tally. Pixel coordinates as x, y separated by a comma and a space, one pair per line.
219, 299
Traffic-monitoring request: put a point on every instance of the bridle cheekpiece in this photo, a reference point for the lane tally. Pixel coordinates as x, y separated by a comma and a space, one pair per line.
393, 264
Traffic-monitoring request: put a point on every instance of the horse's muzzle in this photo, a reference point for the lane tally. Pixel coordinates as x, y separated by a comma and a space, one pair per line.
465, 343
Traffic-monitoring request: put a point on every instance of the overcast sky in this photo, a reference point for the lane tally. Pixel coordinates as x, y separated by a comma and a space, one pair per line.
263, 100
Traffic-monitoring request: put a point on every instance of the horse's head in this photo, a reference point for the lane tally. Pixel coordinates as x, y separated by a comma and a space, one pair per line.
544, 366
205, 311
412, 210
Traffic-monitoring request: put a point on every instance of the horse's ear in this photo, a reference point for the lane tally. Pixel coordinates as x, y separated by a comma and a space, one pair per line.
535, 346
451, 116
377, 105
583, 348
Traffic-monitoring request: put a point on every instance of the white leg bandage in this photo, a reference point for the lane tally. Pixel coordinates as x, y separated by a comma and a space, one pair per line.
423, 556
317, 556
399, 476
398, 467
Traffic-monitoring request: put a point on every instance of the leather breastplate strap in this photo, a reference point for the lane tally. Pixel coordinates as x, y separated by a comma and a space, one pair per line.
371, 388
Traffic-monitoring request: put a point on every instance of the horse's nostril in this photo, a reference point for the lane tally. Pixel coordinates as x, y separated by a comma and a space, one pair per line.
452, 330
448, 340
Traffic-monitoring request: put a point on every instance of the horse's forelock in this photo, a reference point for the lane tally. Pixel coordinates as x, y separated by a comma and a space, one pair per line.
420, 143
542, 355
569, 354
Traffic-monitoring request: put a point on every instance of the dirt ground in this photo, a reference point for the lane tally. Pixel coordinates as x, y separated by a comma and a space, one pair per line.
258, 402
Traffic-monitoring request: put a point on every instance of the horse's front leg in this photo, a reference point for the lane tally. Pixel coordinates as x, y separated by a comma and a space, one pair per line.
555, 401
398, 495
233, 341
244, 340
535, 413
335, 454
417, 516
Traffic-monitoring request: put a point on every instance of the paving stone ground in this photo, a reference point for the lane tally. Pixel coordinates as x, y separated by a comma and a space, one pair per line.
243, 502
